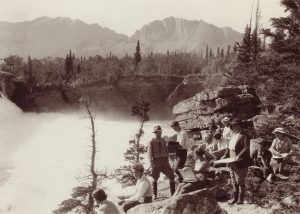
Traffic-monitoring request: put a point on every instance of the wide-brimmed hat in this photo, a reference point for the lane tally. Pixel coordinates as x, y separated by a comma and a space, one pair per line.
157, 129
279, 130
263, 141
236, 121
174, 124
225, 119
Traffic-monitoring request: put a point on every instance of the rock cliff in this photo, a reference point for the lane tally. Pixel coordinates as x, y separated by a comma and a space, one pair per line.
209, 106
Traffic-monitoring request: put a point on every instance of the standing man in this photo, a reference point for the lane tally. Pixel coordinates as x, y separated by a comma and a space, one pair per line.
143, 191
182, 136
159, 160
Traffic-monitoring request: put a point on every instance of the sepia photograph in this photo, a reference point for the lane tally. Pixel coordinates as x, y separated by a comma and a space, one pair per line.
149, 106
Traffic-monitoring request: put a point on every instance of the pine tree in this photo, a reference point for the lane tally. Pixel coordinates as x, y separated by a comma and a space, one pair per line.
206, 54
137, 54
228, 51
256, 42
211, 54
218, 52
222, 53
286, 37
244, 50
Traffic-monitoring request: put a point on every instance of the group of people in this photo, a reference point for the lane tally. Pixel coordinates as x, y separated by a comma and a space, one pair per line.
229, 142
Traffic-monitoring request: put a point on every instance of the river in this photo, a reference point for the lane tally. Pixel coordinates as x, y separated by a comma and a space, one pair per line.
42, 155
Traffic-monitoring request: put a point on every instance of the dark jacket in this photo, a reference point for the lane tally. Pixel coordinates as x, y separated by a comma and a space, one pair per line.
242, 147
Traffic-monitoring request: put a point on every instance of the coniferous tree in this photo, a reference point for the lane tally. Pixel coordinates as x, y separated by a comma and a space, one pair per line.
218, 52
244, 50
211, 54
222, 53
256, 42
137, 54
206, 54
286, 37
228, 51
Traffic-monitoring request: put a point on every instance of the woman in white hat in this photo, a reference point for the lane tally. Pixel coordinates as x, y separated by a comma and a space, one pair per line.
227, 131
281, 145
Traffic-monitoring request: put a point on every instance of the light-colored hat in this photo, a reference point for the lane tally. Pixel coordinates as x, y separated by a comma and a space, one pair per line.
279, 130
225, 119
157, 129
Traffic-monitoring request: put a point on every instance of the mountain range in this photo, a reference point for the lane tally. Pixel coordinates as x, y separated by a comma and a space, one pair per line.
44, 36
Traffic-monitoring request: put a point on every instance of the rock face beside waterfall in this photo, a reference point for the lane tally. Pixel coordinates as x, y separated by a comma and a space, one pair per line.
207, 106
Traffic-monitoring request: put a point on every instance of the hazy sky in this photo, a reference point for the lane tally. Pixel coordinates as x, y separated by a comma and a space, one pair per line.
126, 16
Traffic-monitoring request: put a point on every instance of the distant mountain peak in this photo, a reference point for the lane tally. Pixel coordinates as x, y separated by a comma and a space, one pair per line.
45, 36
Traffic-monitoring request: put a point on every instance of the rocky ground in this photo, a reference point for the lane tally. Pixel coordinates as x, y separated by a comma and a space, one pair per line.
262, 197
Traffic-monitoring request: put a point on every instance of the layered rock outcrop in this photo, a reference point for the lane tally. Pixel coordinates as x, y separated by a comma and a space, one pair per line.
209, 106
198, 202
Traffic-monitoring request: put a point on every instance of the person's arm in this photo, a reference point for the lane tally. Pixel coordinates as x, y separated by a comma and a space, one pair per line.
273, 148
203, 167
102, 209
140, 192
149, 152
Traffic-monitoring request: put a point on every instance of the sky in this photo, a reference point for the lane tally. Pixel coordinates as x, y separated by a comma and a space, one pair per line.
127, 16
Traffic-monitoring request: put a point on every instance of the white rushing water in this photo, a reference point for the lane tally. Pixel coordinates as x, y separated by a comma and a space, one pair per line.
44, 153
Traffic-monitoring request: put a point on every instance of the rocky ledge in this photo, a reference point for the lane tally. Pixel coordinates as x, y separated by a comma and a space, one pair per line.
209, 106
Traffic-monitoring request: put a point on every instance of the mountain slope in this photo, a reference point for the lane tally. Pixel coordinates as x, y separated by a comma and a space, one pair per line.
176, 34
45, 36
54, 37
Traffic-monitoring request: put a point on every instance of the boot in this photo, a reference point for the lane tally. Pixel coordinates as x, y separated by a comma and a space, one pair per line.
172, 187
241, 195
154, 186
235, 198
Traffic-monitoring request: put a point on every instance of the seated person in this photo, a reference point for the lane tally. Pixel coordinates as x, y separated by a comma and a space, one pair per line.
104, 206
221, 146
262, 157
201, 168
178, 156
209, 145
280, 145
143, 193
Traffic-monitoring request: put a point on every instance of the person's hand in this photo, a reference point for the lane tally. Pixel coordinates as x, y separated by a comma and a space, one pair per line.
238, 158
121, 202
121, 197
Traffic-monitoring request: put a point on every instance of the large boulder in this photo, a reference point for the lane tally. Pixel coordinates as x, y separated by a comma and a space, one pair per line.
198, 202
207, 106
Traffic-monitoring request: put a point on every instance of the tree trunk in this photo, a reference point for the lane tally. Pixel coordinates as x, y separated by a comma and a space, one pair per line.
138, 142
93, 157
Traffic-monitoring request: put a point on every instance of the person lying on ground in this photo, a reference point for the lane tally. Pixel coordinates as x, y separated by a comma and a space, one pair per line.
104, 206
143, 192
281, 149
201, 168
261, 158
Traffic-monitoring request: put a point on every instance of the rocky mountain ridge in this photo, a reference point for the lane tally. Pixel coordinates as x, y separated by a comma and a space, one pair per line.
46, 36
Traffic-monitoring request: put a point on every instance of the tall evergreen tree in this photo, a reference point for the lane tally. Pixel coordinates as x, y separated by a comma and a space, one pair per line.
255, 39
245, 48
286, 37
228, 51
218, 52
137, 54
